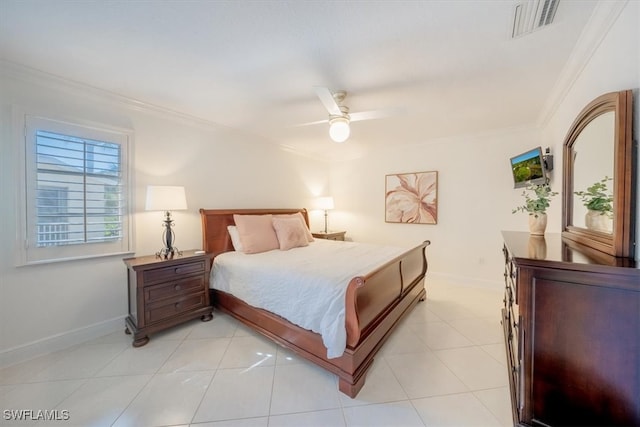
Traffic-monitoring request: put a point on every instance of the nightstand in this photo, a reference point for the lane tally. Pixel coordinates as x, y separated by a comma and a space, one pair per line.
166, 292
330, 235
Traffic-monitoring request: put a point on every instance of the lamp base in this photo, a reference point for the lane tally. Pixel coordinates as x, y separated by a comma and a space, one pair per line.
168, 253
168, 236
326, 217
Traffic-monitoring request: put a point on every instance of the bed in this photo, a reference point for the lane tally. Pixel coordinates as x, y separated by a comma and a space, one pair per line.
373, 304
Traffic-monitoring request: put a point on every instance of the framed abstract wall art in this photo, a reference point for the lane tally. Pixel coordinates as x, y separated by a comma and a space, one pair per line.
412, 198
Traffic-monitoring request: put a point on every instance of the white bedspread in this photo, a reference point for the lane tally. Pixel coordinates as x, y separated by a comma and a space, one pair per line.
304, 285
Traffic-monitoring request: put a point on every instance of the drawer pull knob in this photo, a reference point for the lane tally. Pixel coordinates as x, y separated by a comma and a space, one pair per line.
177, 305
177, 287
177, 270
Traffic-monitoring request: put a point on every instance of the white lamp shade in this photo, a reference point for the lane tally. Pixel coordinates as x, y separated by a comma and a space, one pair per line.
339, 129
324, 203
165, 198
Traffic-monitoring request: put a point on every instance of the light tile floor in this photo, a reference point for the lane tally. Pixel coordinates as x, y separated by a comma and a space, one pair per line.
443, 366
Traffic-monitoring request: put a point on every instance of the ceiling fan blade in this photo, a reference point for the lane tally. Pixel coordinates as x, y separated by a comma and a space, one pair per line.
328, 101
377, 114
310, 123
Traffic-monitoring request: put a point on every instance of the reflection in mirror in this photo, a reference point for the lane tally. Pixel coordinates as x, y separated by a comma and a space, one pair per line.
537, 247
598, 175
592, 175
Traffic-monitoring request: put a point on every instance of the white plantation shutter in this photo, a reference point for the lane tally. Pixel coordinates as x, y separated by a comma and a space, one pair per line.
77, 191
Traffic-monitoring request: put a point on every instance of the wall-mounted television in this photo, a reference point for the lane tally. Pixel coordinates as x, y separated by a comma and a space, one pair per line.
528, 168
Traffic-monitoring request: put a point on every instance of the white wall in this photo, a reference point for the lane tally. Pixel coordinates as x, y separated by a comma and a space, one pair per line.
51, 306
475, 200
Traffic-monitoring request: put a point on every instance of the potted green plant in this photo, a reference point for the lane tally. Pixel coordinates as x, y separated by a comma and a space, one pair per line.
599, 203
537, 199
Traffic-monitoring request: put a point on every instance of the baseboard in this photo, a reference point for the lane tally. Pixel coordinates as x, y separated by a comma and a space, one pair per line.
452, 279
61, 341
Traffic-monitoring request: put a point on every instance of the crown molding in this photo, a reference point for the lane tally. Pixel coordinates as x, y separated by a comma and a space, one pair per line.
33, 76
600, 22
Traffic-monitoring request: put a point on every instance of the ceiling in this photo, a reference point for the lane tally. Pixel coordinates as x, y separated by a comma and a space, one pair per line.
450, 66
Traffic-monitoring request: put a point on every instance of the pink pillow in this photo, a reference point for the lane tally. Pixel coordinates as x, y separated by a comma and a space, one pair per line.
304, 224
256, 233
290, 233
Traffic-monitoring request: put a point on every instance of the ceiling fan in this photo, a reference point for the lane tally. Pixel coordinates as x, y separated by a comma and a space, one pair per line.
339, 116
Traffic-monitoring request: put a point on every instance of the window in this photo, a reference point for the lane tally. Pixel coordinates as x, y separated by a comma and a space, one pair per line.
53, 227
77, 191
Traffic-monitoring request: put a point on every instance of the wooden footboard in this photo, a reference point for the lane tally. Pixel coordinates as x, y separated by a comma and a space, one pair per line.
375, 304
369, 297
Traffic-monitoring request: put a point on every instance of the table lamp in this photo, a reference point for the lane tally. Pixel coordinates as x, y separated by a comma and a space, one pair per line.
166, 198
325, 203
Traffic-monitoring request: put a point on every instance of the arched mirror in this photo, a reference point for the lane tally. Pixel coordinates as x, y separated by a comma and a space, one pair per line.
598, 171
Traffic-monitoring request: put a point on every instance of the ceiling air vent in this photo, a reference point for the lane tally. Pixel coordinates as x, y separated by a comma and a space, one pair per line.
530, 15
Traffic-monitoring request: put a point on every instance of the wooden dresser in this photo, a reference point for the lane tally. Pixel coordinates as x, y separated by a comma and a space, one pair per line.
571, 322
166, 292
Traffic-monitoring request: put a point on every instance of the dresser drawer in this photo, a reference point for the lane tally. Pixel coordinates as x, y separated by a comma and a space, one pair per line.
174, 288
509, 294
513, 340
165, 309
178, 271
511, 279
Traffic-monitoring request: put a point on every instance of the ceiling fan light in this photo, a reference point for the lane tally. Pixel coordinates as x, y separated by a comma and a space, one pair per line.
339, 129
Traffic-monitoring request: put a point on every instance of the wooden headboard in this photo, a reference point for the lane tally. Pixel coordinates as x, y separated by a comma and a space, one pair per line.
215, 237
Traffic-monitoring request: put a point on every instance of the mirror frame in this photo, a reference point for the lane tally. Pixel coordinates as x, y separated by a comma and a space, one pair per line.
621, 242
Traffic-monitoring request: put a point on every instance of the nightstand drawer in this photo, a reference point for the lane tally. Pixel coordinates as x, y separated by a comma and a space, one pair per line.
174, 288
169, 273
163, 310
331, 235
